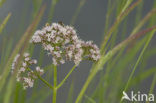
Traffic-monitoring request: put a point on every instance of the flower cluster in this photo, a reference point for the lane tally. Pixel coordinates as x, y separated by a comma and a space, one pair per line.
15, 62
25, 74
63, 44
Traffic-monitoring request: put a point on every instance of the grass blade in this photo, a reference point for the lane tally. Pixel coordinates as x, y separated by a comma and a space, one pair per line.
52, 9
81, 4
70, 93
22, 44
90, 99
144, 20
2, 2
104, 58
4, 22
140, 56
116, 23
126, 5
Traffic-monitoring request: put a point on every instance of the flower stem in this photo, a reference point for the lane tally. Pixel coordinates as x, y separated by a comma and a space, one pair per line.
55, 85
44, 81
54, 95
62, 82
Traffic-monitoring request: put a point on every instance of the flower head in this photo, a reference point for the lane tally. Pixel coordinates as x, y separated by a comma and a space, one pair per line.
24, 74
63, 44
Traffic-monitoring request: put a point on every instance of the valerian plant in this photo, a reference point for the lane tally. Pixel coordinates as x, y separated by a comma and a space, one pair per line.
63, 44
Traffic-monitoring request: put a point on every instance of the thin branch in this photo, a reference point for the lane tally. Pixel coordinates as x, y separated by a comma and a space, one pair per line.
62, 82
44, 81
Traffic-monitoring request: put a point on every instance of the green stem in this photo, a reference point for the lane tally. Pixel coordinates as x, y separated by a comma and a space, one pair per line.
55, 85
89, 79
62, 82
90, 99
126, 5
152, 86
44, 81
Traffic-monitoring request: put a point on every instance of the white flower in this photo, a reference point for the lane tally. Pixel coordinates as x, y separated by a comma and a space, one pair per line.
48, 47
25, 75
29, 82
36, 39
22, 69
70, 54
15, 62
24, 64
48, 28
33, 61
26, 54
54, 61
62, 61
27, 59
63, 43
57, 54
37, 68
78, 45
40, 71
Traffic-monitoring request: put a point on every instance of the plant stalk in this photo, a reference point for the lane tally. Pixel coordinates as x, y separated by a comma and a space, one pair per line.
62, 82
89, 79
55, 85
44, 81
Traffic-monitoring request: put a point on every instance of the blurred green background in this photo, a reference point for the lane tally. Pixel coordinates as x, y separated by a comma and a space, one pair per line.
92, 19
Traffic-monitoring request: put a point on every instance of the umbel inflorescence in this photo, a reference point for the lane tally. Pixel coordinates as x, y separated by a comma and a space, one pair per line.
63, 44
25, 75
